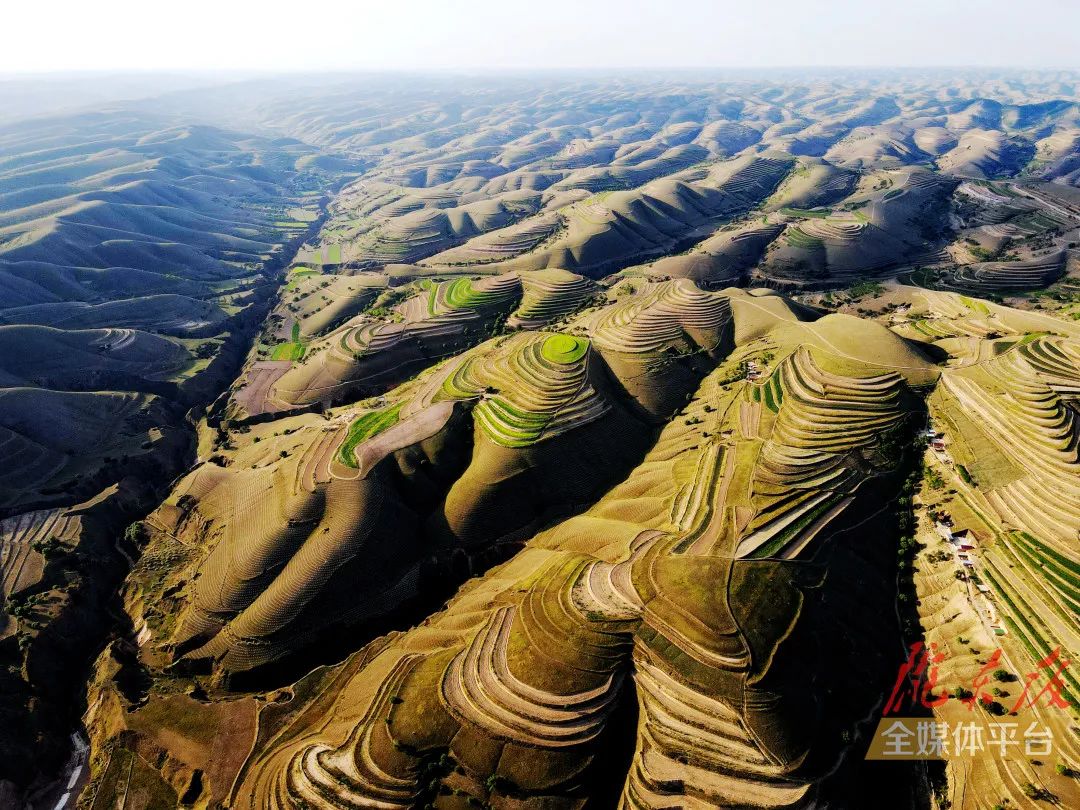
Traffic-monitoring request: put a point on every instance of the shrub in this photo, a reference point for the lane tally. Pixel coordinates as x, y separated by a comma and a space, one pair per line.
49, 547
861, 288
1033, 791
136, 533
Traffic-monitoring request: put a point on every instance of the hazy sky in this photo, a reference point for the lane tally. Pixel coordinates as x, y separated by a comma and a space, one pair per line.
425, 34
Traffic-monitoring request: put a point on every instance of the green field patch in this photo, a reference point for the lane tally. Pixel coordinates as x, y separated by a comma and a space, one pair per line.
770, 399
1031, 337
310, 257
564, 348
454, 387
1059, 578
363, 428
920, 326
773, 392
865, 287
1003, 190
977, 456
977, 306
1069, 569
790, 533
746, 456
461, 295
813, 213
293, 350
299, 273
1021, 625
796, 237
509, 425
892, 193
288, 351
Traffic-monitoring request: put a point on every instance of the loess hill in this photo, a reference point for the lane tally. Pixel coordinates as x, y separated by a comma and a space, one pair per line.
680, 537
666, 509
532, 443
138, 253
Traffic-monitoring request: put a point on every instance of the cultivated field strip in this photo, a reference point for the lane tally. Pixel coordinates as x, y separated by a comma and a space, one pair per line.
20, 564
535, 657
368, 355
515, 369
1032, 424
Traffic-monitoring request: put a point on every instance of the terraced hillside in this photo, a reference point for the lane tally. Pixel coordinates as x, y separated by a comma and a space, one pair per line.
131, 247
492, 427
985, 278
138, 253
852, 180
853, 183
1004, 477
512, 448
888, 221
368, 354
1020, 402
538, 448
554, 439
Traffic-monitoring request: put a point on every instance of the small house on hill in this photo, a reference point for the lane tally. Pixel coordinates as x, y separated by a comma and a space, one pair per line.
964, 540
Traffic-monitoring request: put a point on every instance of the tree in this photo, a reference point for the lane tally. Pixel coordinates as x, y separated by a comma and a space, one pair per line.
136, 533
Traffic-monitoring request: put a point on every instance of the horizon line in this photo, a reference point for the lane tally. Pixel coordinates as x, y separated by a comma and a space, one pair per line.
493, 69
